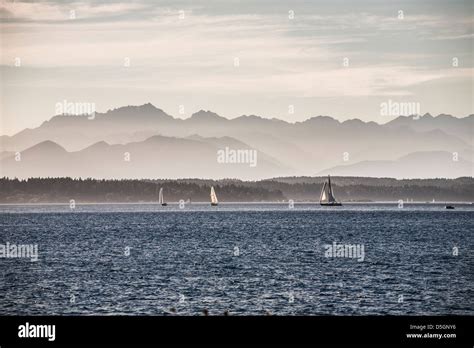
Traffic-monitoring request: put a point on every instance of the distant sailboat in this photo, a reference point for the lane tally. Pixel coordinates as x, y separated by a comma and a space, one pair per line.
214, 201
161, 199
327, 196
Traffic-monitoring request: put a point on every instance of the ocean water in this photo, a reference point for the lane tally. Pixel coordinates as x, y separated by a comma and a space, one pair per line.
246, 259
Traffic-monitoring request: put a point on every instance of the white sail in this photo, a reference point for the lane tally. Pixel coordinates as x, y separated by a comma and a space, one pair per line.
323, 197
160, 196
213, 196
327, 194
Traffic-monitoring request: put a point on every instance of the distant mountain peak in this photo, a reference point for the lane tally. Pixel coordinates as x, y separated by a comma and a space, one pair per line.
355, 121
206, 115
445, 116
98, 145
157, 137
427, 117
247, 117
147, 108
322, 119
47, 145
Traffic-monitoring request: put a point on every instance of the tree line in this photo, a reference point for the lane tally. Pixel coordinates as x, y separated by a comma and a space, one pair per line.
55, 190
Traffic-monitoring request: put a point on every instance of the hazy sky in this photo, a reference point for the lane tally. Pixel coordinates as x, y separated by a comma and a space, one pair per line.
185, 53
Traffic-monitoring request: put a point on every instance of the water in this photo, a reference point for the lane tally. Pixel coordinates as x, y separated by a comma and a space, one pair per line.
247, 259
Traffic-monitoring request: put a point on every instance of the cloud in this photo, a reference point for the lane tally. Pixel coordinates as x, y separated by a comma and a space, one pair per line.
50, 12
279, 57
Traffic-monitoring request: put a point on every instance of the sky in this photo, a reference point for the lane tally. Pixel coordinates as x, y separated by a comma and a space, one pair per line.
286, 59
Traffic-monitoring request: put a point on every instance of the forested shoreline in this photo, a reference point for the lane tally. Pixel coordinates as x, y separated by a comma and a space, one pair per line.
300, 189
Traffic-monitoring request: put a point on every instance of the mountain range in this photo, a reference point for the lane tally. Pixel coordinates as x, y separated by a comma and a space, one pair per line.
145, 142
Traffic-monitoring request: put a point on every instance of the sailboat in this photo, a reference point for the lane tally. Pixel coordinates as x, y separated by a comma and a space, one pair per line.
327, 196
161, 199
214, 201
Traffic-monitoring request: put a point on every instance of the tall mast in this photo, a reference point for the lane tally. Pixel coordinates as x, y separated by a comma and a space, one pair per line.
329, 188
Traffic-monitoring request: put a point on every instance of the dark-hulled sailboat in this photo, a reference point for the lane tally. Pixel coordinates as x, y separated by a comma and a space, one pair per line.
327, 195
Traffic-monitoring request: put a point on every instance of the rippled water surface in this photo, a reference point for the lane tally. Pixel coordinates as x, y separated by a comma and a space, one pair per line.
241, 258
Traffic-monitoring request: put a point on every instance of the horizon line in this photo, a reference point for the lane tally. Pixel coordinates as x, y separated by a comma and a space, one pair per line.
232, 179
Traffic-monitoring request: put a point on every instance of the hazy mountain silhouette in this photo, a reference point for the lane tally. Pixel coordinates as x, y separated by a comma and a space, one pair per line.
415, 165
462, 128
155, 157
301, 148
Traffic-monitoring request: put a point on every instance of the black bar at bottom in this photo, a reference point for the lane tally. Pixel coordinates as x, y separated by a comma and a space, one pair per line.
327, 330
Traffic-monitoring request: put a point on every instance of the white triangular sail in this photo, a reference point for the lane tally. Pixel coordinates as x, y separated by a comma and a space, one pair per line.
160, 196
324, 197
327, 194
213, 196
